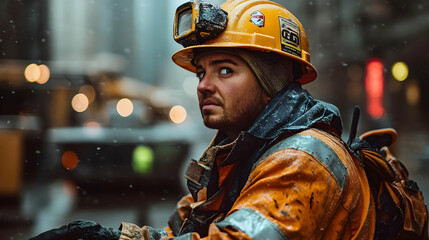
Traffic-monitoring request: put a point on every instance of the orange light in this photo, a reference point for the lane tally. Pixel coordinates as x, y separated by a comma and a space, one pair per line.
374, 86
80, 102
178, 114
37, 73
125, 107
32, 72
412, 93
44, 74
69, 160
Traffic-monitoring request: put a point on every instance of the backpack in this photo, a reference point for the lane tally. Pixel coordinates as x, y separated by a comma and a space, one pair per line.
400, 209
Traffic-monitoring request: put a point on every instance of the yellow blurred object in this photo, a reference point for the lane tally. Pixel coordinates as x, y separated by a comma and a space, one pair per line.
256, 25
11, 162
400, 71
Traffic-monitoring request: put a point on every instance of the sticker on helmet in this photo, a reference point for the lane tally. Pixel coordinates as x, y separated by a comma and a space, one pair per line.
290, 36
257, 18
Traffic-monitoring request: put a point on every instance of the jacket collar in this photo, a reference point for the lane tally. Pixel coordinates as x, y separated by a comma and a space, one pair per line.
292, 110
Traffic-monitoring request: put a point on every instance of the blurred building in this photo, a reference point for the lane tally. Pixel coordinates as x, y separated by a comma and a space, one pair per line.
98, 52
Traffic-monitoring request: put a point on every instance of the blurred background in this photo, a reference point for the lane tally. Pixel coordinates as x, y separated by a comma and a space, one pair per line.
96, 122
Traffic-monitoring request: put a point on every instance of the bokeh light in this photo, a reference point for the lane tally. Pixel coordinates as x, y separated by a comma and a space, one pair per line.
374, 86
92, 128
69, 160
374, 81
177, 114
32, 72
413, 93
89, 91
92, 124
45, 73
80, 102
143, 157
400, 71
125, 107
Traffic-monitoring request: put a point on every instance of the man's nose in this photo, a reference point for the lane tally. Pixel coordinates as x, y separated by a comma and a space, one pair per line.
206, 85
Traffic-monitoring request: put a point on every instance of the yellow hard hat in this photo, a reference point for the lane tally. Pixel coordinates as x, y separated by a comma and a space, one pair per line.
252, 24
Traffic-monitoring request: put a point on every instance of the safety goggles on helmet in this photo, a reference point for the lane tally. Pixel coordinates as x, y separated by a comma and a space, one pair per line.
196, 22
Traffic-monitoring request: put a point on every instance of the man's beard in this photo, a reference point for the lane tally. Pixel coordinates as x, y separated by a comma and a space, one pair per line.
238, 119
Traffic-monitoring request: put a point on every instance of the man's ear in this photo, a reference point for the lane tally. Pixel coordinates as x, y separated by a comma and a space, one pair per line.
268, 99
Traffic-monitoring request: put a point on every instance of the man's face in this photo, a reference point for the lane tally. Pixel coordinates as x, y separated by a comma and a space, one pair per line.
229, 95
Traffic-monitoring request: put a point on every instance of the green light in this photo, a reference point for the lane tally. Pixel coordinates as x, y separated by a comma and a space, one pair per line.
143, 159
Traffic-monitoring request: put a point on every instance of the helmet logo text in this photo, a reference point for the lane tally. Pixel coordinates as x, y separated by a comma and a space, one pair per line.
290, 37
257, 18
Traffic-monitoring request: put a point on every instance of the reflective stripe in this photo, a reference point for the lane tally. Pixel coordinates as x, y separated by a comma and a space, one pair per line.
252, 223
315, 147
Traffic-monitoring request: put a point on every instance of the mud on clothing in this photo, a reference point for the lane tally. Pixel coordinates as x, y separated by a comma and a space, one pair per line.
289, 176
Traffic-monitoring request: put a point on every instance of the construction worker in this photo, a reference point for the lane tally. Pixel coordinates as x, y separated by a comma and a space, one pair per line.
277, 167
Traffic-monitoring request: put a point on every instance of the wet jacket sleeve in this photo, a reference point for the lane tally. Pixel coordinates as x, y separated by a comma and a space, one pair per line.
289, 195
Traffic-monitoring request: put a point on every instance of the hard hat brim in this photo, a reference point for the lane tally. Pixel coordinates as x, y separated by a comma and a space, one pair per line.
183, 58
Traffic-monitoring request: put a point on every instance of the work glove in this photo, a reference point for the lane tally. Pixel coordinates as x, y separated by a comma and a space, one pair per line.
82, 230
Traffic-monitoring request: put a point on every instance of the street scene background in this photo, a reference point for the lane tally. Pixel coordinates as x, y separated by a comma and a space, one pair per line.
97, 122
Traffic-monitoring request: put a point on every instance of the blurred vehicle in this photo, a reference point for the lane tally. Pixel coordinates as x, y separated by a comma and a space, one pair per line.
109, 159
131, 137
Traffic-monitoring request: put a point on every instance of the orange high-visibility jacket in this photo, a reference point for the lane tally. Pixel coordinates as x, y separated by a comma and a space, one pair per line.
293, 193
294, 179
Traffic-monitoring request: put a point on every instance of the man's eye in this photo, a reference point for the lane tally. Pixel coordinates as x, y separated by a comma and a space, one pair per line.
224, 71
200, 75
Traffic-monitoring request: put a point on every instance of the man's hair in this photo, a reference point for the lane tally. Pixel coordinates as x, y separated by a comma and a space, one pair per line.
273, 71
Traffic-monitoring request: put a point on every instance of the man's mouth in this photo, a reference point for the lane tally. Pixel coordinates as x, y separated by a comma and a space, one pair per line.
209, 103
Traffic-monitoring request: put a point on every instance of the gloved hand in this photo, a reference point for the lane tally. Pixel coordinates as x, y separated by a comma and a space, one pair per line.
80, 229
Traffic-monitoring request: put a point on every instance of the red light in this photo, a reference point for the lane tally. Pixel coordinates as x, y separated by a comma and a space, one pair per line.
374, 86
69, 160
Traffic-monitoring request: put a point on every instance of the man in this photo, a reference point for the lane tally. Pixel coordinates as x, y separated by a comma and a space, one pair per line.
277, 168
